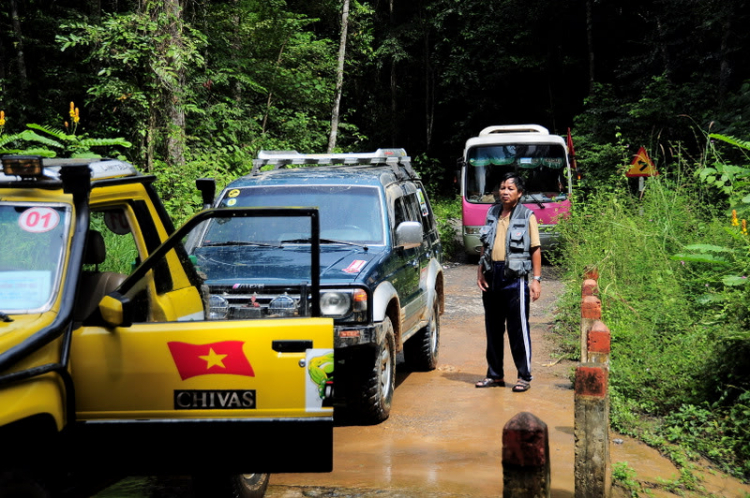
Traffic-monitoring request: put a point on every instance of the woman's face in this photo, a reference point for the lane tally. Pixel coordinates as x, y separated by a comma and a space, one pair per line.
509, 193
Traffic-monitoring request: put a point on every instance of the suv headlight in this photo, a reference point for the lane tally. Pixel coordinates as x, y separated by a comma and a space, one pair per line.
335, 303
340, 303
218, 307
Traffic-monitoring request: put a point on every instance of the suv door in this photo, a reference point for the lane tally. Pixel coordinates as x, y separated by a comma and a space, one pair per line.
155, 377
410, 271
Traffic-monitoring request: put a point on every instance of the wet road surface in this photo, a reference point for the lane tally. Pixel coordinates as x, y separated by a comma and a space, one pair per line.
444, 436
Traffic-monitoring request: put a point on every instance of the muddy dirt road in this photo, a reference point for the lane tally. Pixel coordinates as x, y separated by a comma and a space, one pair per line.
444, 436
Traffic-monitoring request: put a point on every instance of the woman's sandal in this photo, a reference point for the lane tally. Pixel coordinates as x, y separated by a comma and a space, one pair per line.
521, 386
488, 382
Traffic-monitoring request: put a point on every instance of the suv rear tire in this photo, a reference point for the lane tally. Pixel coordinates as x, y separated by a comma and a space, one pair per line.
421, 351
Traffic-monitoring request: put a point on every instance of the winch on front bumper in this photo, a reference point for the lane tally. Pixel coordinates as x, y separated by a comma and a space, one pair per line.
347, 306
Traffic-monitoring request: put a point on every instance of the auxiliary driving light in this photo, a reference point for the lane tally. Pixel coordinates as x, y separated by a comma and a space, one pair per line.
23, 166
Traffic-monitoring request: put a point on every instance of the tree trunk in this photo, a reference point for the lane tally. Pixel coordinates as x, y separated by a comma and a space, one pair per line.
237, 52
151, 137
21, 61
590, 42
172, 88
725, 68
269, 100
339, 78
429, 93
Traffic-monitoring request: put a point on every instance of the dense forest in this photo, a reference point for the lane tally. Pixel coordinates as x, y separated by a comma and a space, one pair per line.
186, 80
192, 88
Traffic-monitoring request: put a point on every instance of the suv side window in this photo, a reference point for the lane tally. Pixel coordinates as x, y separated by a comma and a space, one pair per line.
412, 207
428, 221
401, 212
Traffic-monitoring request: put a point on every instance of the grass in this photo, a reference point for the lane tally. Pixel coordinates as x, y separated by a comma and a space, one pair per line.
679, 355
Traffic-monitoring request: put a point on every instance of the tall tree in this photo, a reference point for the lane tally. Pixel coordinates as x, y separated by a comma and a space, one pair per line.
339, 77
171, 47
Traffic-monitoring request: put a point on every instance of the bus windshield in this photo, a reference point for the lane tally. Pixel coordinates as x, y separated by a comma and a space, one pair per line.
542, 166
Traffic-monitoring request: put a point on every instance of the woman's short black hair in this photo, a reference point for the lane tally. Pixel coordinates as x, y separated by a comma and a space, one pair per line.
517, 180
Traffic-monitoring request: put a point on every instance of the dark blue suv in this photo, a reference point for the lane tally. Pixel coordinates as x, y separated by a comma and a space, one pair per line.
381, 274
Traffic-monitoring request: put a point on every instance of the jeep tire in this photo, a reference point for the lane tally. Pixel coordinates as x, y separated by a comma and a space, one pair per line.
421, 351
230, 486
377, 380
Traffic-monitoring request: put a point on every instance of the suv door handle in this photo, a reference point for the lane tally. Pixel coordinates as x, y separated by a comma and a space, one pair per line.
291, 346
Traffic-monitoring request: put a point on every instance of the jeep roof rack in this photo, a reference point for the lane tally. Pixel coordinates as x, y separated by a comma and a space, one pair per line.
395, 158
48, 170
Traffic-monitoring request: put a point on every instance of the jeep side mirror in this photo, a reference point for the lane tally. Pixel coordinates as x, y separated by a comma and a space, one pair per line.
207, 187
409, 234
116, 310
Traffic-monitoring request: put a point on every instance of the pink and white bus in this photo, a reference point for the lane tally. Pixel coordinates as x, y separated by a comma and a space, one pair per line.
540, 158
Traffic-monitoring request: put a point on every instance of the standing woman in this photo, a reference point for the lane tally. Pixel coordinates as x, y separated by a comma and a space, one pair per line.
511, 252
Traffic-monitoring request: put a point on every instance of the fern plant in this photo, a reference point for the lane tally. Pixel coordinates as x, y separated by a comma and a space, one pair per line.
51, 142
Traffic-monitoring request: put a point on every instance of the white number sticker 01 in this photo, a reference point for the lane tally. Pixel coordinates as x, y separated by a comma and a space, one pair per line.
39, 220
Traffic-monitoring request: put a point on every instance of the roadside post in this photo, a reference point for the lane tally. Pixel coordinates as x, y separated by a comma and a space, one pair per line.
591, 311
592, 468
526, 465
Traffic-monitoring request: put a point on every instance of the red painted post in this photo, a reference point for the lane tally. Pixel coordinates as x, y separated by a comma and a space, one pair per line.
591, 272
598, 344
591, 310
526, 465
589, 288
592, 467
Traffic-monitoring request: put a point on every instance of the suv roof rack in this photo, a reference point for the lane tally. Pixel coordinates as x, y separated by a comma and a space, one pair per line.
397, 159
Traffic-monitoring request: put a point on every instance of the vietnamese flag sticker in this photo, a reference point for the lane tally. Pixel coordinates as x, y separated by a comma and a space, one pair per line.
224, 357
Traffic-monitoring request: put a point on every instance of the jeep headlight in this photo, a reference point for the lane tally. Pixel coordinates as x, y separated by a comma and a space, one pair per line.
218, 307
340, 303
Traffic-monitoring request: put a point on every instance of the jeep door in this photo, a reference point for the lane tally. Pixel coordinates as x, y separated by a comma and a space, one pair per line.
152, 372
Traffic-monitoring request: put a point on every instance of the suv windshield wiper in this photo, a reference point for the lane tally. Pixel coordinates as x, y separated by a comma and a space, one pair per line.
239, 243
4, 317
324, 241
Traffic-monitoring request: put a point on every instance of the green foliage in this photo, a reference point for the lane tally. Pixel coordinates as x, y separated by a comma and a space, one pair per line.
624, 476
176, 186
53, 141
448, 217
671, 272
57, 142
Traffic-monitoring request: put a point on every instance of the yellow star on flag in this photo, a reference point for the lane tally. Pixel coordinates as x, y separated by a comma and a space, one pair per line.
213, 359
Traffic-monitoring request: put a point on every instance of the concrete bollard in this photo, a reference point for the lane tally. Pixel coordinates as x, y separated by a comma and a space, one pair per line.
526, 465
598, 344
591, 310
591, 272
589, 288
592, 467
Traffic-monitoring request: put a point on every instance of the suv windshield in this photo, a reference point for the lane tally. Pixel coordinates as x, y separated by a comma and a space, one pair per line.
32, 246
348, 214
542, 167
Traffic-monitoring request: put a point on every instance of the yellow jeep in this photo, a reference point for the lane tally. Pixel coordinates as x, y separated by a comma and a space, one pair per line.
111, 363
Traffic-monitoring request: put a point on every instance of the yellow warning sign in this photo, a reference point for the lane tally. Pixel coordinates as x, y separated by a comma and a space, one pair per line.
642, 165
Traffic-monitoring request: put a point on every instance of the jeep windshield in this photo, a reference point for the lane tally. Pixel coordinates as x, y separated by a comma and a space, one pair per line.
542, 167
33, 238
350, 215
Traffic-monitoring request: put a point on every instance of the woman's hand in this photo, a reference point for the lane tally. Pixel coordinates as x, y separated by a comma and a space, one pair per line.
481, 281
536, 290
